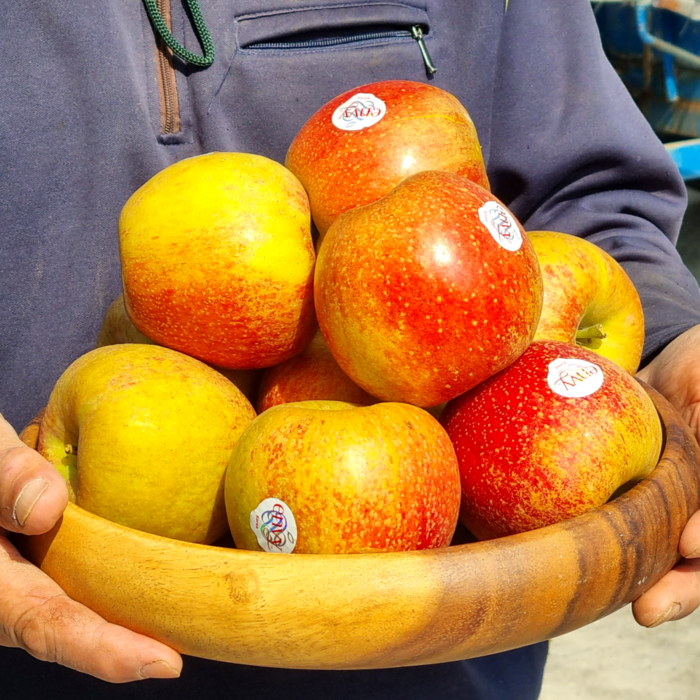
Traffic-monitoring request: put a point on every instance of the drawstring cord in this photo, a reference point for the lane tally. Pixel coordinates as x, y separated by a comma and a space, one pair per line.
161, 28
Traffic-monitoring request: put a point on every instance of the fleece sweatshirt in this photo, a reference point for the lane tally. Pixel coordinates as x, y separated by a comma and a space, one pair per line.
89, 111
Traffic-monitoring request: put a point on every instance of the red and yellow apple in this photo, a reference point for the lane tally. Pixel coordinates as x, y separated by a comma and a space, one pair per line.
217, 260
363, 143
117, 328
311, 375
552, 436
588, 299
327, 477
428, 291
143, 434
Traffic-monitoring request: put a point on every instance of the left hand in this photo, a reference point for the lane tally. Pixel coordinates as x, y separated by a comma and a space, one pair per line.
675, 373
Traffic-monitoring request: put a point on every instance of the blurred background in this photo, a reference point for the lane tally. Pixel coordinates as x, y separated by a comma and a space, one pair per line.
655, 47
689, 240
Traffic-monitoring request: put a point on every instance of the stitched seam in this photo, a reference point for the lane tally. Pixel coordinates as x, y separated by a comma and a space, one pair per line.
274, 13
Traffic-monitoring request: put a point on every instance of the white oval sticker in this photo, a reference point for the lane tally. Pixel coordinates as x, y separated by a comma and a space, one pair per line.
574, 378
274, 526
360, 111
501, 225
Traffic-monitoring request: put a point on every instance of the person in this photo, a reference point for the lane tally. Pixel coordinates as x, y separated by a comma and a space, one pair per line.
93, 106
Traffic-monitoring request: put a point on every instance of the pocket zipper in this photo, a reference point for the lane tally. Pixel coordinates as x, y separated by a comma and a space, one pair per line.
415, 32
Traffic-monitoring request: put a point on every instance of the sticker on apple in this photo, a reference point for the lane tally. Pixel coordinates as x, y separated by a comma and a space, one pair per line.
501, 225
574, 378
359, 112
274, 526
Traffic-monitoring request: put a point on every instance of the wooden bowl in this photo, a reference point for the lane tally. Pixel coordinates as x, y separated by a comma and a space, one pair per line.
380, 610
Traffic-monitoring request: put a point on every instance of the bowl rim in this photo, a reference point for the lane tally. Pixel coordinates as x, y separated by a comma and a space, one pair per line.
378, 610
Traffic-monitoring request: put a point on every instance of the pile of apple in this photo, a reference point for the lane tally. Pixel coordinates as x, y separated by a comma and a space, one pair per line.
426, 290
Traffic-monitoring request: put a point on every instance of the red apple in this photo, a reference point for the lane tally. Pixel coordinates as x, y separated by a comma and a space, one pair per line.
217, 260
552, 436
363, 143
312, 375
326, 477
428, 291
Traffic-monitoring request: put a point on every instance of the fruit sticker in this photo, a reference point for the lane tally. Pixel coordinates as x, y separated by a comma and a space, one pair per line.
501, 225
274, 526
574, 378
359, 112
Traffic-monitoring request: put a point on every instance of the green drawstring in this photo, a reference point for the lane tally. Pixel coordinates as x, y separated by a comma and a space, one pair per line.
180, 51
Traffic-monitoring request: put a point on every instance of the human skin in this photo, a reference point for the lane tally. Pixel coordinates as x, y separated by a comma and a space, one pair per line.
39, 617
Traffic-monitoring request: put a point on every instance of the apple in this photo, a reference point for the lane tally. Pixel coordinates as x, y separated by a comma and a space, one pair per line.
117, 328
143, 434
363, 143
588, 299
552, 436
428, 291
217, 260
327, 477
312, 375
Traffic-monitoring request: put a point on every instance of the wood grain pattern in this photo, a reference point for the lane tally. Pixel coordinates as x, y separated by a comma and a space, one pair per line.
381, 610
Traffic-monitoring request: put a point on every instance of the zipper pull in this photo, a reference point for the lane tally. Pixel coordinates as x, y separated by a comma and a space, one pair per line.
417, 34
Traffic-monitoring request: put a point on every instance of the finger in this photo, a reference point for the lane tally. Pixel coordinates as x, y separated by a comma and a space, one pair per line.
689, 545
33, 495
675, 596
39, 617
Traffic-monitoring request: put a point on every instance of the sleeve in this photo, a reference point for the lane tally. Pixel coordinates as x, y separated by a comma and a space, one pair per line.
570, 151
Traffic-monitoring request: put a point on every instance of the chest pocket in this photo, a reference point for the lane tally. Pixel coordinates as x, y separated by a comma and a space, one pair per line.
336, 28
289, 62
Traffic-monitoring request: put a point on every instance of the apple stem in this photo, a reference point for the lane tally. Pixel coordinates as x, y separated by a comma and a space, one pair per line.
71, 449
587, 336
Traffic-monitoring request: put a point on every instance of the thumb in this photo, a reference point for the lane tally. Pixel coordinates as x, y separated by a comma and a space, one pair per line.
33, 495
37, 615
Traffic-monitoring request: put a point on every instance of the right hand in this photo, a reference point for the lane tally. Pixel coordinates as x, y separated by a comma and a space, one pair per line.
35, 613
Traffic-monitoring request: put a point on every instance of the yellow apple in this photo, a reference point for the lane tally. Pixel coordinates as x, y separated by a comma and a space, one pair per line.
117, 328
142, 434
327, 477
217, 260
588, 299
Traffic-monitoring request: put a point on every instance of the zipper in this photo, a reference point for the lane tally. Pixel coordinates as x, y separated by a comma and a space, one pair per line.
167, 79
415, 32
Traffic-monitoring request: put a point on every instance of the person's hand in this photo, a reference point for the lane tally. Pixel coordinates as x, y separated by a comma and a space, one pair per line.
35, 613
675, 373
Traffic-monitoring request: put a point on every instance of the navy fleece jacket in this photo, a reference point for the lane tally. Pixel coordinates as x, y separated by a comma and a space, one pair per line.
82, 127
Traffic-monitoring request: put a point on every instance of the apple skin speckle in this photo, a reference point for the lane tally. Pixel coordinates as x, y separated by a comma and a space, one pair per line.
357, 479
217, 260
424, 128
530, 457
416, 299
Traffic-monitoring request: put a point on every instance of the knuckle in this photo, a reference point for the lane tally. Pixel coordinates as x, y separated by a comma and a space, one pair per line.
38, 630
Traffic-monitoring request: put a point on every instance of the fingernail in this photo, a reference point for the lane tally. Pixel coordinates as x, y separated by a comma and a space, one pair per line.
27, 499
158, 669
670, 613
